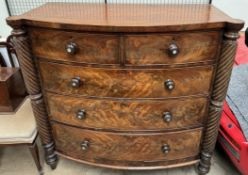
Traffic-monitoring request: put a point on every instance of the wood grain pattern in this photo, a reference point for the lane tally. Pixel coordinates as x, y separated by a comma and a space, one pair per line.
127, 114
153, 49
126, 147
12, 89
117, 93
220, 86
138, 49
22, 46
91, 48
123, 83
124, 17
137, 165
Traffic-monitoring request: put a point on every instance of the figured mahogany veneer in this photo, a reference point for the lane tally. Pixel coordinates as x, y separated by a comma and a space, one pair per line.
127, 86
91, 48
153, 49
139, 49
123, 83
124, 147
128, 114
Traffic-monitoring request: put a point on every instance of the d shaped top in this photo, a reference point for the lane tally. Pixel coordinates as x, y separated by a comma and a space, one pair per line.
125, 17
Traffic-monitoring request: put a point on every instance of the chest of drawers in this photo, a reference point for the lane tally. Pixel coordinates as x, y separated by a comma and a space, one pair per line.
127, 86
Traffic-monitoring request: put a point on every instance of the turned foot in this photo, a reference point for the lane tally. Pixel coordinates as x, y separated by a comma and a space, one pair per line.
205, 163
54, 165
50, 155
52, 160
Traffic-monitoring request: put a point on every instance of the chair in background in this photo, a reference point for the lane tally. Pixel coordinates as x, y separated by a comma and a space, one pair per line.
17, 123
12, 88
20, 129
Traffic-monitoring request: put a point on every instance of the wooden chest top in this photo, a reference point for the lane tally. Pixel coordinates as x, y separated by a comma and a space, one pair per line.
124, 17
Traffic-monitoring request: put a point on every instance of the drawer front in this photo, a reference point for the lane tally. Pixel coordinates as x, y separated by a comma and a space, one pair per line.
123, 83
171, 48
94, 145
89, 48
128, 114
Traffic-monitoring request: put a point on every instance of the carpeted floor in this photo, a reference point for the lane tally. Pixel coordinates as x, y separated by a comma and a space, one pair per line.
18, 161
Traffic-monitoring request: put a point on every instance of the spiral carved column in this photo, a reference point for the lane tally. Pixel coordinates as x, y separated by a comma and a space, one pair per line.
23, 50
223, 73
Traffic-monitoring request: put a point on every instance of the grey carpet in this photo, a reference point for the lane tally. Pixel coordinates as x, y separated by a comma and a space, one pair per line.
17, 160
237, 96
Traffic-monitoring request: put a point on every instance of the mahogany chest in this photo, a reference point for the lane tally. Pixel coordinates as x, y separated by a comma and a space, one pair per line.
127, 86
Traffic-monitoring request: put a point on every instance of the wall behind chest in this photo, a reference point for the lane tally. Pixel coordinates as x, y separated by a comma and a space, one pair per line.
234, 8
5, 29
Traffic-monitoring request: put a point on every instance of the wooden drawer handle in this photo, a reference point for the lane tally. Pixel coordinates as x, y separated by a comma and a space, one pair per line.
166, 148
81, 114
173, 50
75, 82
71, 48
85, 145
167, 116
169, 84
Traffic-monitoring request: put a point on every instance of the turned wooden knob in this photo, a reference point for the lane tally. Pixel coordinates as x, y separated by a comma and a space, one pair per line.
167, 116
173, 50
75, 82
165, 148
81, 114
71, 48
169, 84
85, 145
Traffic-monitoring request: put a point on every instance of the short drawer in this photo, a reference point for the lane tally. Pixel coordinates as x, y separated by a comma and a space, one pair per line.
75, 47
171, 48
127, 114
94, 146
125, 83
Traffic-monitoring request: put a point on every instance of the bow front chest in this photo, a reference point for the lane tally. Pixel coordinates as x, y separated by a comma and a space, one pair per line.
127, 86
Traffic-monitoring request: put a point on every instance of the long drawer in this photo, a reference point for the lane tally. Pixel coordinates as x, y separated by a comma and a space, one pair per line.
127, 114
94, 146
126, 83
145, 49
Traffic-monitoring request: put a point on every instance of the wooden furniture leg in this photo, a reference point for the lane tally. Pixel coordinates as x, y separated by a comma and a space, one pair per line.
21, 44
35, 154
223, 73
